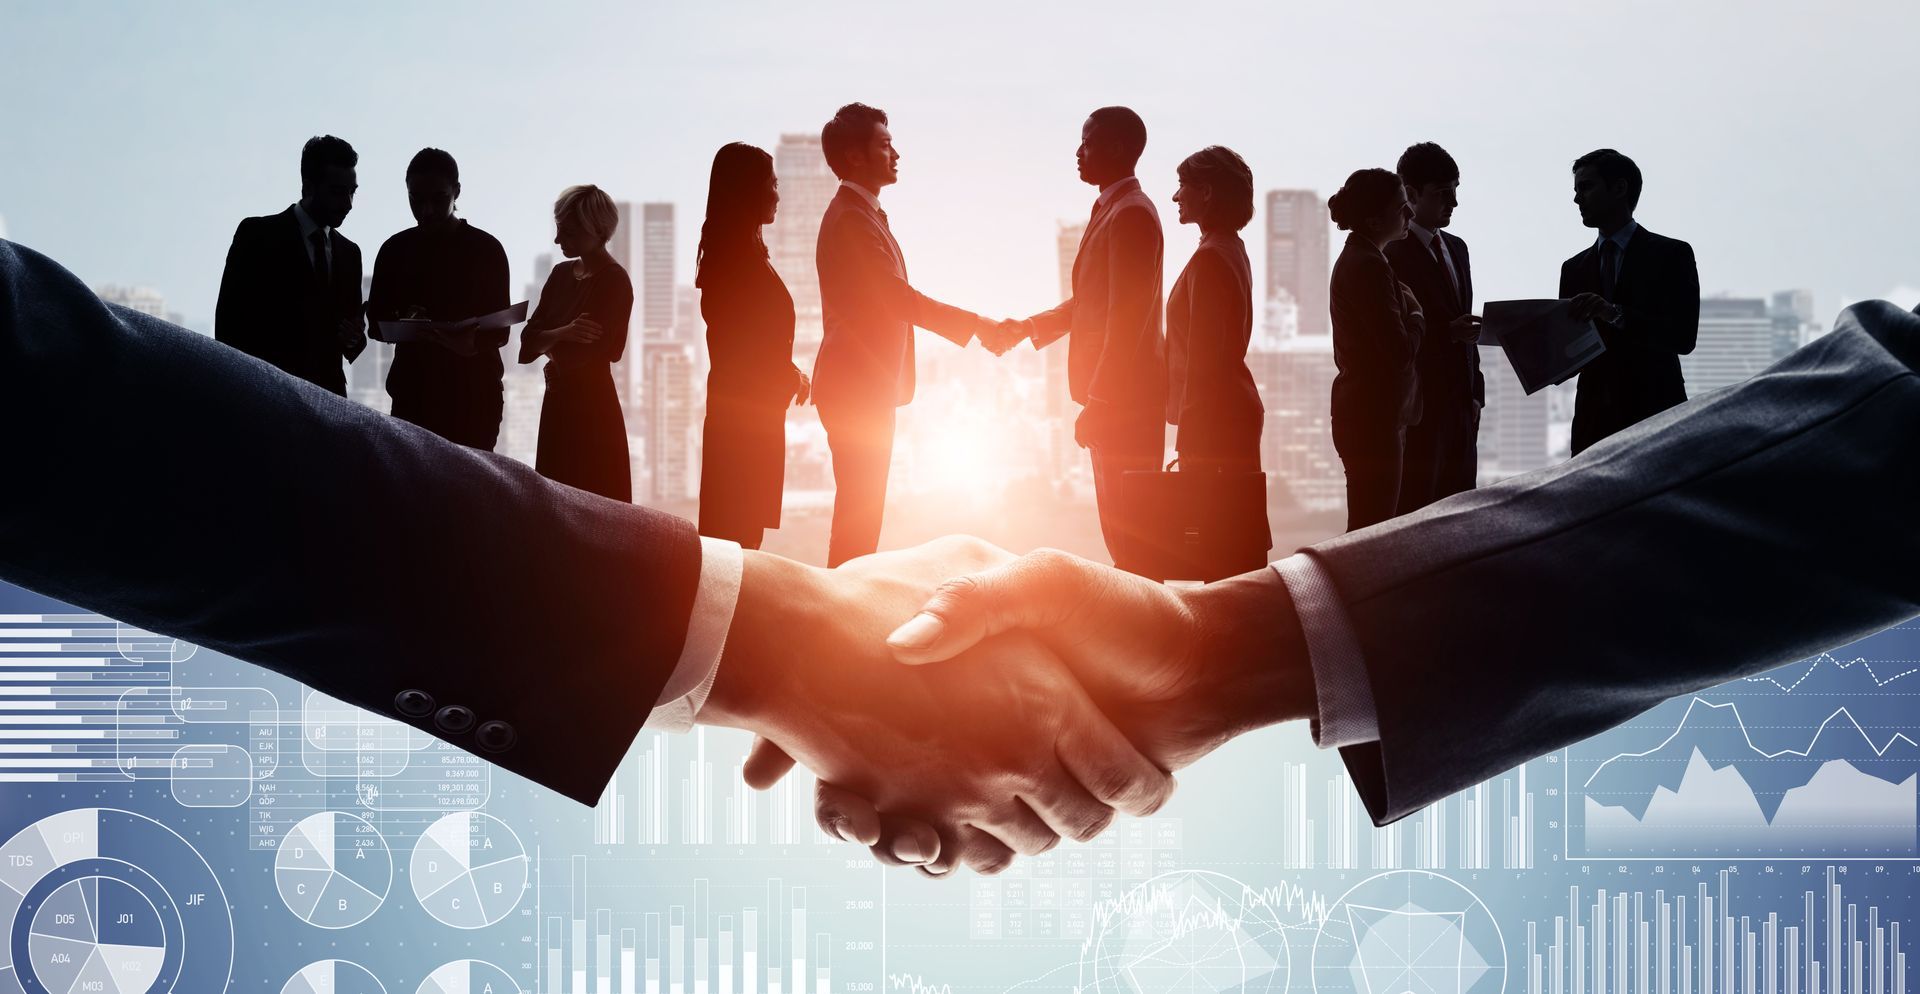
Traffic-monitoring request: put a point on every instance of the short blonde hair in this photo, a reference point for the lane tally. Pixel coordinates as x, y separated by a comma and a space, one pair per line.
591, 206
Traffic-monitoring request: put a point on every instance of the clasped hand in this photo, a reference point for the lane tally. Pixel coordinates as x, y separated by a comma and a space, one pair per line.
1061, 693
1000, 336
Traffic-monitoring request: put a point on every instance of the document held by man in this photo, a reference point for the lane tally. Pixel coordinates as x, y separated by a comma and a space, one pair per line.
1544, 343
418, 330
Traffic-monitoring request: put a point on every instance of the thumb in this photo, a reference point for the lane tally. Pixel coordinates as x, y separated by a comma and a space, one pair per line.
1038, 590
765, 765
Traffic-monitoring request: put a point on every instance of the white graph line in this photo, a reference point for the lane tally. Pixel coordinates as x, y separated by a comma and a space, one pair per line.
1878, 750
1878, 680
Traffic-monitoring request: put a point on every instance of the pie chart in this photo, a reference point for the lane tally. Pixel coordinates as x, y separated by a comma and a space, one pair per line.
333, 870
468, 870
333, 976
468, 976
101, 901
97, 934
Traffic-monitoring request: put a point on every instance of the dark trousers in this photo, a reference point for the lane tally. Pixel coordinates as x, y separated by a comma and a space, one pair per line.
1373, 458
860, 437
1135, 446
1442, 455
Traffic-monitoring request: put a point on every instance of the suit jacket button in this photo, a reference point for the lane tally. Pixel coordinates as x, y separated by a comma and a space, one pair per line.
496, 736
413, 703
454, 719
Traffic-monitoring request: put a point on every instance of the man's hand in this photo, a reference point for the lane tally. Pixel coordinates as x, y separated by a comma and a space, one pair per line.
1465, 328
802, 387
1593, 307
1000, 752
1001, 337
1180, 671
352, 336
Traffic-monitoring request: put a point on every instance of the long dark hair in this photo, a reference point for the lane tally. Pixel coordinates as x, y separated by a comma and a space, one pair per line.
734, 191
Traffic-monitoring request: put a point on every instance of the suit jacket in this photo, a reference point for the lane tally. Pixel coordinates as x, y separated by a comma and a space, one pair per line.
1375, 342
1639, 375
270, 502
869, 310
1116, 356
1686, 524
273, 307
1449, 370
1211, 394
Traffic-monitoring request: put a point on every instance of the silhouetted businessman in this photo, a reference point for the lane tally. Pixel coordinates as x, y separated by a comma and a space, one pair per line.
1642, 291
1116, 360
1441, 457
865, 365
291, 291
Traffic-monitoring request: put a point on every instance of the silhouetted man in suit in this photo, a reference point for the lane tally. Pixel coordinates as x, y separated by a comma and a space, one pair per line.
291, 291
864, 369
1642, 291
1441, 457
1116, 360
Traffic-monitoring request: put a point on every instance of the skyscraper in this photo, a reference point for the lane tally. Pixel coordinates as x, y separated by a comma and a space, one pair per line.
655, 287
1736, 341
1298, 259
1514, 435
1295, 379
806, 185
673, 420
1792, 321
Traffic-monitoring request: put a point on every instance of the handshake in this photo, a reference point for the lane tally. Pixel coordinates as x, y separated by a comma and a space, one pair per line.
961, 705
1000, 336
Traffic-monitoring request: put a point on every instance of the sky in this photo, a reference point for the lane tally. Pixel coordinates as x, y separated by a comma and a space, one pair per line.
1778, 138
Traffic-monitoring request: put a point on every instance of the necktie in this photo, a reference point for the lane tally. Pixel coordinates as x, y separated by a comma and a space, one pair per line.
1446, 264
1609, 268
321, 270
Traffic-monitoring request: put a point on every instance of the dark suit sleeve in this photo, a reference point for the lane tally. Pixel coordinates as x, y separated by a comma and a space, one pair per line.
1671, 321
1741, 531
1133, 252
359, 554
235, 318
1049, 325
870, 256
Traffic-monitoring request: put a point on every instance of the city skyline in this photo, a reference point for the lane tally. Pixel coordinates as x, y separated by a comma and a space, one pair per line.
981, 188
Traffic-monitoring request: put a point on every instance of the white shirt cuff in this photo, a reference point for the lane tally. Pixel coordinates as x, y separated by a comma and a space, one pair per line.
1345, 697
692, 679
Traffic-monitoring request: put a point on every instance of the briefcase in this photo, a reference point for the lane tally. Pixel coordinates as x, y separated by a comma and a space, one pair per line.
1195, 524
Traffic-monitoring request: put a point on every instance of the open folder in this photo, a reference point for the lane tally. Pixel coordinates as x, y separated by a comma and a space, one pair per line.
416, 330
1543, 341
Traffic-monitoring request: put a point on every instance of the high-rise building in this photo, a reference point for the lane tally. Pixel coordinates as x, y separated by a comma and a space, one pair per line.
1514, 434
1298, 259
1736, 341
673, 420
144, 299
806, 185
655, 284
1295, 380
1793, 323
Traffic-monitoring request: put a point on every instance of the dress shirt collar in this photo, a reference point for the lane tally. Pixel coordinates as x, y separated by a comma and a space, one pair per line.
1620, 238
1425, 234
1115, 191
308, 225
872, 198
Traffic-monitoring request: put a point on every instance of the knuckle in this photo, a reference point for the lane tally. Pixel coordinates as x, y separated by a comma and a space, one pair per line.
1091, 828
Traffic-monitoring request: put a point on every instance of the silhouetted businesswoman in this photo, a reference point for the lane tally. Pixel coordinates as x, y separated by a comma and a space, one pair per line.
865, 366
1116, 359
443, 269
1211, 395
749, 317
1376, 334
1442, 456
291, 291
581, 327
1642, 291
